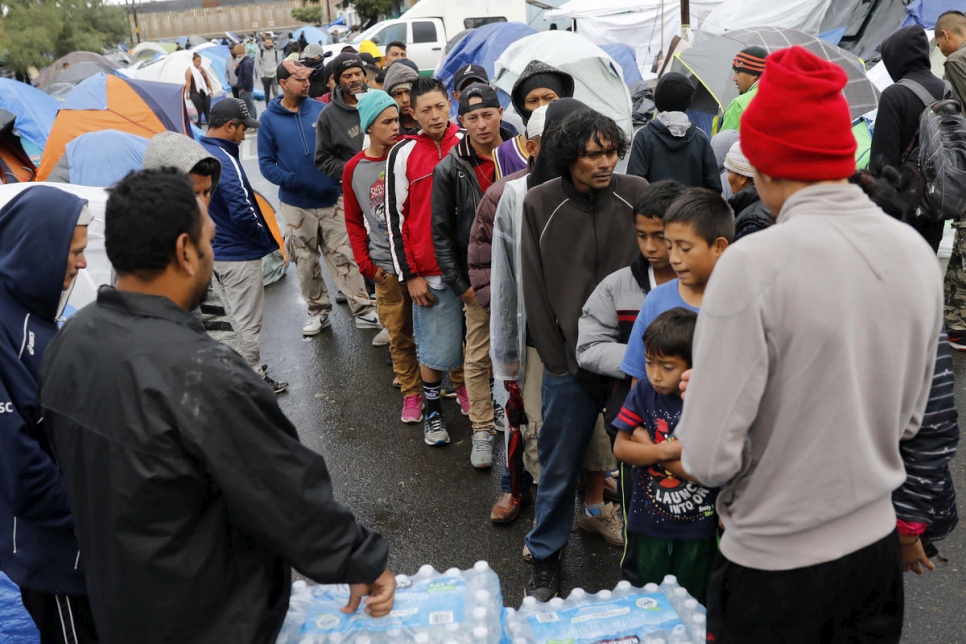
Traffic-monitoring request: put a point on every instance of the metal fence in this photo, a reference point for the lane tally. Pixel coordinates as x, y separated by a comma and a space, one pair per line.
211, 18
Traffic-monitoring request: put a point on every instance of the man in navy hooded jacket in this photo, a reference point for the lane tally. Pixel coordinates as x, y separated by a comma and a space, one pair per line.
43, 234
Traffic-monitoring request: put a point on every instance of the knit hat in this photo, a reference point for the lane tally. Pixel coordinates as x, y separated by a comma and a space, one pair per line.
799, 127
750, 60
344, 62
737, 162
371, 105
539, 74
537, 121
397, 75
673, 93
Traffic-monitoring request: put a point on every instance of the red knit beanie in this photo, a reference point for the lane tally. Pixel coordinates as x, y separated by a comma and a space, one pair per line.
798, 126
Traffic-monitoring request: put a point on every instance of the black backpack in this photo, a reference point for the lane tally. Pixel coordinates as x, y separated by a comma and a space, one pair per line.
941, 157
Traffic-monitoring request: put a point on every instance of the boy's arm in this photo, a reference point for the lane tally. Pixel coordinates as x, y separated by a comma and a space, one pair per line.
677, 469
355, 224
635, 450
599, 348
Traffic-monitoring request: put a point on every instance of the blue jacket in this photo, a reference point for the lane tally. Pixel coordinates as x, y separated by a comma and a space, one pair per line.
242, 233
286, 155
246, 74
38, 550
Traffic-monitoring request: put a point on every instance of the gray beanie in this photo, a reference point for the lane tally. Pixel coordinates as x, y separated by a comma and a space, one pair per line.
398, 74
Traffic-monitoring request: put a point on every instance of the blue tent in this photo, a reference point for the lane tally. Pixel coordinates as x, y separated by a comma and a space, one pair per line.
626, 57
35, 112
925, 13
313, 35
482, 46
217, 55
16, 626
101, 159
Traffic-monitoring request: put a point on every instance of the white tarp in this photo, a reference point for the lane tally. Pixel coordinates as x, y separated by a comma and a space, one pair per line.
648, 26
803, 15
171, 69
598, 80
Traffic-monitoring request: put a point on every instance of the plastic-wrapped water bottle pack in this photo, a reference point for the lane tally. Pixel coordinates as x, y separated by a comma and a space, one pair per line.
453, 607
664, 614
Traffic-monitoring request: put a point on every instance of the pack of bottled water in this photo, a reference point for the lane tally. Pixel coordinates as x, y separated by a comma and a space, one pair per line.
453, 607
664, 614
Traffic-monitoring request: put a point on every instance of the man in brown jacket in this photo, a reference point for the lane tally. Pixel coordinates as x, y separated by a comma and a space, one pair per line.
951, 40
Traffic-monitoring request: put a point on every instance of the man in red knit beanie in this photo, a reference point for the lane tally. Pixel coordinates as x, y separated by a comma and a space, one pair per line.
800, 393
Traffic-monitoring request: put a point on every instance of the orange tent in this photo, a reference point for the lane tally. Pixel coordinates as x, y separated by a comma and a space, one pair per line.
103, 102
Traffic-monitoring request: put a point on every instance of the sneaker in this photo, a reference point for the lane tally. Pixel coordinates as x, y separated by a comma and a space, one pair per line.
368, 321
482, 455
499, 417
396, 383
340, 298
277, 387
317, 322
412, 411
381, 339
434, 430
544, 581
957, 341
608, 524
447, 393
464, 399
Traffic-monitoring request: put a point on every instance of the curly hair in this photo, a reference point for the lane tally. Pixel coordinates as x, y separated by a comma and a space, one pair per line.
569, 141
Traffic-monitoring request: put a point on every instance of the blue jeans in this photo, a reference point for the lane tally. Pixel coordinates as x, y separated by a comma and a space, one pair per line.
569, 415
439, 331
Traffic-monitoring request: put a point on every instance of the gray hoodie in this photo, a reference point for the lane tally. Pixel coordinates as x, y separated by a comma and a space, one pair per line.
338, 136
813, 357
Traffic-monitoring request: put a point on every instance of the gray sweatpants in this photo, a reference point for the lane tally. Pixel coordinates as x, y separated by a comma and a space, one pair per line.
245, 293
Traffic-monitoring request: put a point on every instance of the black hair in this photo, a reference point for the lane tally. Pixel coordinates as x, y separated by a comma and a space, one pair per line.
579, 128
425, 85
146, 213
396, 43
896, 191
706, 212
207, 167
658, 197
670, 334
381, 76
951, 21
195, 55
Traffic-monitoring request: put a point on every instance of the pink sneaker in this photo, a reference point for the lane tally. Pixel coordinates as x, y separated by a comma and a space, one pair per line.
412, 411
464, 399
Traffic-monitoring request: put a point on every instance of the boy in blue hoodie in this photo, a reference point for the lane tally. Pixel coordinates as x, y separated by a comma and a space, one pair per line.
43, 234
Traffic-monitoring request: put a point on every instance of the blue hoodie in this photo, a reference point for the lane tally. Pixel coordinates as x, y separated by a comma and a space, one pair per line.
242, 233
38, 550
286, 155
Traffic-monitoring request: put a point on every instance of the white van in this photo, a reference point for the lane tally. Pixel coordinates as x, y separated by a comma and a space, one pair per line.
429, 24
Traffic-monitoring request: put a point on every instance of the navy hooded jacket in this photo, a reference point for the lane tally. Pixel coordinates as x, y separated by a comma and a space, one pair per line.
241, 232
38, 550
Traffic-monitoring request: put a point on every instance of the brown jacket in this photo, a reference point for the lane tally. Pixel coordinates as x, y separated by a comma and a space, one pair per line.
479, 252
956, 71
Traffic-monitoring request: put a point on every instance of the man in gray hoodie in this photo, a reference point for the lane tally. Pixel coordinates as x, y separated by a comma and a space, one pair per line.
338, 136
813, 357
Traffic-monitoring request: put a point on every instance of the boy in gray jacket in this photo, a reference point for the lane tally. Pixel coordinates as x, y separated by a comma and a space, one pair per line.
813, 358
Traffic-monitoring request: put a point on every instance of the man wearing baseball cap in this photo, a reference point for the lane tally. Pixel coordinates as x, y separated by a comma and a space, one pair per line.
459, 182
467, 75
310, 202
338, 136
243, 237
800, 392
748, 65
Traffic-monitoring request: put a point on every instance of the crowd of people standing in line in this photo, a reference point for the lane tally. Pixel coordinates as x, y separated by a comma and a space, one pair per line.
768, 371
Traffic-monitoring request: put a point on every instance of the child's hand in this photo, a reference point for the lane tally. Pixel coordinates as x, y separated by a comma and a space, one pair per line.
685, 379
672, 450
642, 436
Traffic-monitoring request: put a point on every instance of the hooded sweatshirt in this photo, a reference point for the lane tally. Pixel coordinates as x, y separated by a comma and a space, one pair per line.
38, 550
286, 155
672, 147
800, 412
338, 136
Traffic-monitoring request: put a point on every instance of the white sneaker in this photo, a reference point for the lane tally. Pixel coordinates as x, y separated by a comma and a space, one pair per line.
368, 321
316, 323
381, 339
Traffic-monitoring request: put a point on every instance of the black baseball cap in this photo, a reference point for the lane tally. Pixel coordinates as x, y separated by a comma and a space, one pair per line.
478, 90
231, 109
469, 74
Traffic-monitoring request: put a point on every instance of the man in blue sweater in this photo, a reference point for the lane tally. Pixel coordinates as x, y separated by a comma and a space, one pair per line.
246, 83
309, 199
43, 234
243, 237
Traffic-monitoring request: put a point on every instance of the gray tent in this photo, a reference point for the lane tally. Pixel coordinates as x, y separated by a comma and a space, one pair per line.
710, 64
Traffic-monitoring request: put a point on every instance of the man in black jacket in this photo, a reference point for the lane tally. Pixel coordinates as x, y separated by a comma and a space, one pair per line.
459, 182
192, 495
906, 56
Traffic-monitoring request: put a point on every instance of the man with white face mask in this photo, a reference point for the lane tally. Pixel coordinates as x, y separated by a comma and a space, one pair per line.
43, 234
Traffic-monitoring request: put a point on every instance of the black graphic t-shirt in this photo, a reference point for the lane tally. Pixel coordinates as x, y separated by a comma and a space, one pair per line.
663, 506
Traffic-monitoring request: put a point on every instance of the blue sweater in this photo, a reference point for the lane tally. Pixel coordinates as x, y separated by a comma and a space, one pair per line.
38, 550
286, 155
242, 234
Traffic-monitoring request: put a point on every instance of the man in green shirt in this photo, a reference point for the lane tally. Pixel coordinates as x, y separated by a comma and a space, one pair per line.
748, 65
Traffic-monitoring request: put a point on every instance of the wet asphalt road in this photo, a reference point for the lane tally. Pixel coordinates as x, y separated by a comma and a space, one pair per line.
433, 507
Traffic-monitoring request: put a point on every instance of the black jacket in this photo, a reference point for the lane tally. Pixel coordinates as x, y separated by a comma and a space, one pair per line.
657, 154
456, 195
192, 495
751, 215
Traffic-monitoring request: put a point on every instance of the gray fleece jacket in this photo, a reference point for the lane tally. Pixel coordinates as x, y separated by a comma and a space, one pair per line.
338, 136
813, 357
